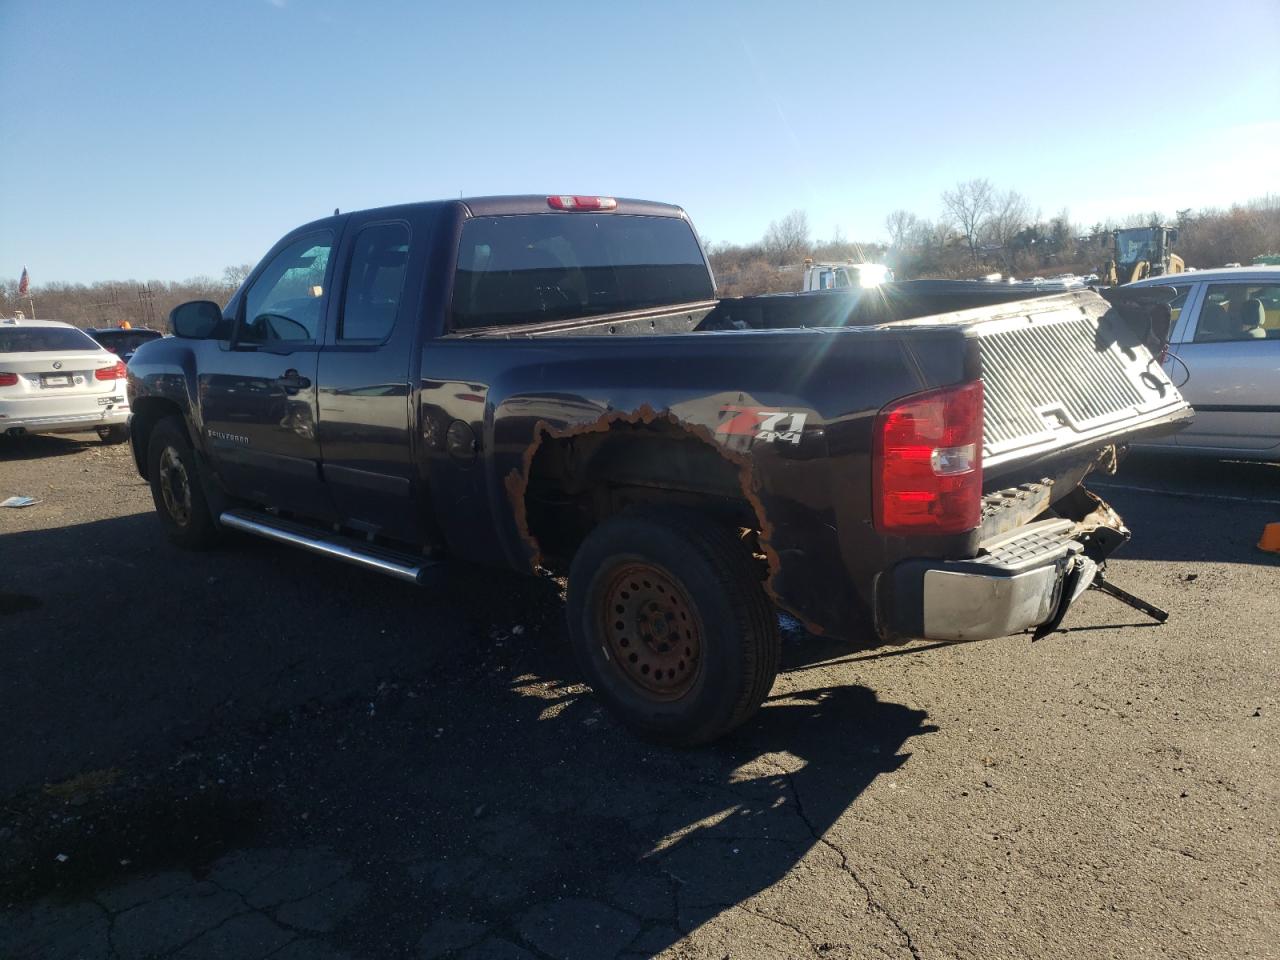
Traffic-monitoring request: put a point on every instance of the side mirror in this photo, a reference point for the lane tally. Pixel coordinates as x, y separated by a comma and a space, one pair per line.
196, 320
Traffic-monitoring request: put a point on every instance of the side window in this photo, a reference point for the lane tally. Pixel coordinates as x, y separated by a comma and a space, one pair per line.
375, 282
1176, 305
286, 301
1239, 312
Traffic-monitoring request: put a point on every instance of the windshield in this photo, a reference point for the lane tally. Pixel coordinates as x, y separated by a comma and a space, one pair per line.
43, 339
538, 267
1135, 245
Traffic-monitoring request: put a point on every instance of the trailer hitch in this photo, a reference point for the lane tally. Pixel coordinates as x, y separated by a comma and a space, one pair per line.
1124, 596
1072, 587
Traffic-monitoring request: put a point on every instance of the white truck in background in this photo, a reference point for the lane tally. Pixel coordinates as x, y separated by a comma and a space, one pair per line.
846, 275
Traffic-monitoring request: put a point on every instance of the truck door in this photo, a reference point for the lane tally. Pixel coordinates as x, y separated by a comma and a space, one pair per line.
1232, 355
258, 392
365, 396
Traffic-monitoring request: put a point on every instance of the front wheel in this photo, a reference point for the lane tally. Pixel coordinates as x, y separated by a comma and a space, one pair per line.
175, 487
671, 624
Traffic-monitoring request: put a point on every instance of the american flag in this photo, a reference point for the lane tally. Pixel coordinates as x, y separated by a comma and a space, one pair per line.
24, 284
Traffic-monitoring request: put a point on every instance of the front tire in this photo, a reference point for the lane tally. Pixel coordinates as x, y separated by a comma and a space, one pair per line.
175, 487
671, 624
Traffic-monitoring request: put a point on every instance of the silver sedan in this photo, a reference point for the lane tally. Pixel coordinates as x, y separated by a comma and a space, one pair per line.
1225, 345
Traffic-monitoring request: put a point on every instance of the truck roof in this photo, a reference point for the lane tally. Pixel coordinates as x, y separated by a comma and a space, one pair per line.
537, 203
506, 205
528, 203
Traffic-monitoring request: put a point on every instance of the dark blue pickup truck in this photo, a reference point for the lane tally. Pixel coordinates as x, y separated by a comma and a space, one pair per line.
550, 382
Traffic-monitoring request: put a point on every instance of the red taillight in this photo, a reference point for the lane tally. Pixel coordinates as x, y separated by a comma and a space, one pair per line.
118, 372
582, 203
8, 379
928, 462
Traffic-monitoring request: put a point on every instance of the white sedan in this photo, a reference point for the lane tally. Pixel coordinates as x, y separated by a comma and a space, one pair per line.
55, 379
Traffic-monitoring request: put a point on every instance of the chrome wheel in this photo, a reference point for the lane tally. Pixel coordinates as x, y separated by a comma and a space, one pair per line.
651, 630
175, 486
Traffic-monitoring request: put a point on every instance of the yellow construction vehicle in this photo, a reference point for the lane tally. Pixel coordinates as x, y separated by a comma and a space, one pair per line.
1141, 252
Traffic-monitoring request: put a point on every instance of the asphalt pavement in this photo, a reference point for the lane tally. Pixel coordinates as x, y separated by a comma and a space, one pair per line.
255, 753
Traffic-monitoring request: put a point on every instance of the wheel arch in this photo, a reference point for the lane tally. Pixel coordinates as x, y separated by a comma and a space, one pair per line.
574, 479
146, 413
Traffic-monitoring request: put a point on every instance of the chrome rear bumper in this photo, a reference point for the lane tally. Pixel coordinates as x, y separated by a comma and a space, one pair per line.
108, 416
1017, 583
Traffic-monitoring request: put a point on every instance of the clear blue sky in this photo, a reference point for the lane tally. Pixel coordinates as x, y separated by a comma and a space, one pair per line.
159, 140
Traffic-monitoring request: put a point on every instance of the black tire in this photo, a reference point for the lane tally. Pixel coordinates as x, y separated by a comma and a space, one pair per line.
114, 434
175, 487
692, 579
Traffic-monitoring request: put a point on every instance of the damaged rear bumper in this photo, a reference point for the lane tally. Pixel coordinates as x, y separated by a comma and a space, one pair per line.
1021, 580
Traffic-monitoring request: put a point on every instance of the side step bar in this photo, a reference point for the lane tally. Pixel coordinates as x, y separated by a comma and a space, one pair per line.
402, 566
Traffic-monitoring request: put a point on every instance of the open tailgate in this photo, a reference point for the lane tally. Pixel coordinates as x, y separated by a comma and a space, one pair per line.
1070, 371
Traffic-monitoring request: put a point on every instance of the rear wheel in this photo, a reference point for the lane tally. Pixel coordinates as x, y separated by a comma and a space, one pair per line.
672, 626
175, 487
113, 434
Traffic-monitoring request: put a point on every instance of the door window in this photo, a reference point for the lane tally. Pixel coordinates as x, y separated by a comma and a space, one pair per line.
1176, 305
286, 301
375, 282
1242, 312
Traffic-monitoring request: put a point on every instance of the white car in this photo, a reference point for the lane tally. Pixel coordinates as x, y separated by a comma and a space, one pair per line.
55, 379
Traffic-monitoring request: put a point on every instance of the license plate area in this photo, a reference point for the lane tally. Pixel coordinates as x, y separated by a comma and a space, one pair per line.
54, 380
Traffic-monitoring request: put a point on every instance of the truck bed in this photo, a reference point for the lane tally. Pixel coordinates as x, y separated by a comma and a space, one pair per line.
1063, 370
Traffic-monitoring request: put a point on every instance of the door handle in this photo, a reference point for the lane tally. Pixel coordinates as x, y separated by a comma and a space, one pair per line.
292, 382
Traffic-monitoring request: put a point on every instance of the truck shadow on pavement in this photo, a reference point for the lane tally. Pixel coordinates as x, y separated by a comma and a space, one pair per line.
268, 754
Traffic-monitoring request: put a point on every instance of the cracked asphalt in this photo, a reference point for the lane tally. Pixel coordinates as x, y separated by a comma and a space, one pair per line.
255, 753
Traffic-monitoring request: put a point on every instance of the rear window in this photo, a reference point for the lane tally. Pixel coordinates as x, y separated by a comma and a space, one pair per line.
42, 339
532, 268
125, 341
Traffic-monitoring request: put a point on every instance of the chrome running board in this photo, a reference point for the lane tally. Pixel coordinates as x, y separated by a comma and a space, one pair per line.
402, 566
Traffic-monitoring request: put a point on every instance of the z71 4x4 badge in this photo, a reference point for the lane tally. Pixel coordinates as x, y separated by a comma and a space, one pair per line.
761, 424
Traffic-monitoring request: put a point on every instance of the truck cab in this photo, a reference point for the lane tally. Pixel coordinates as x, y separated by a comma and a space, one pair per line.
844, 276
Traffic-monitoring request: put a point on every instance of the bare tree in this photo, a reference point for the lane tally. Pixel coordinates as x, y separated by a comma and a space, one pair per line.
234, 275
970, 205
1010, 214
935, 235
788, 238
1062, 235
902, 226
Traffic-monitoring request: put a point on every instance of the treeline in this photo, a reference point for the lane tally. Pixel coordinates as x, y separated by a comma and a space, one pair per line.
980, 230
109, 303
771, 266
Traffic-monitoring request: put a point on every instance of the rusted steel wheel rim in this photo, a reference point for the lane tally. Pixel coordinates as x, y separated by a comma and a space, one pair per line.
175, 486
651, 630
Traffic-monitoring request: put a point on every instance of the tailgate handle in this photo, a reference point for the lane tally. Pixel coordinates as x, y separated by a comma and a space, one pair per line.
291, 382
